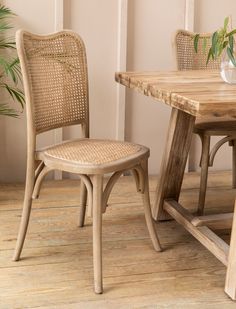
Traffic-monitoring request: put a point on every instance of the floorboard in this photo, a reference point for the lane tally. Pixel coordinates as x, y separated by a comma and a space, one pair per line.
56, 267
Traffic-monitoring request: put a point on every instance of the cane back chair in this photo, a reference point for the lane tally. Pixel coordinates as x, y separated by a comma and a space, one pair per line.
55, 81
188, 59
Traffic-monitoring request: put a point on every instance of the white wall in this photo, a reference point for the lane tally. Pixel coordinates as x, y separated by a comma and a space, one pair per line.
150, 27
37, 16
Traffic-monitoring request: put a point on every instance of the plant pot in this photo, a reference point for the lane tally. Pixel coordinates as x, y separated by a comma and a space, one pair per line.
227, 70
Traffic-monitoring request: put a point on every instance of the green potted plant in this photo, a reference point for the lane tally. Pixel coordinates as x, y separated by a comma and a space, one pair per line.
10, 74
222, 45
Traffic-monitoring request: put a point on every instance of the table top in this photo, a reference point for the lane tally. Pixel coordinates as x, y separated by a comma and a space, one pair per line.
199, 93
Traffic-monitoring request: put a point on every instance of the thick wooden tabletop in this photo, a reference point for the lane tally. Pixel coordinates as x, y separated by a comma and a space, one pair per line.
199, 93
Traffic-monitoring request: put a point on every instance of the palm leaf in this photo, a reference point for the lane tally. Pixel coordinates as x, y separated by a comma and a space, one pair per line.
5, 12
7, 43
15, 93
7, 111
4, 26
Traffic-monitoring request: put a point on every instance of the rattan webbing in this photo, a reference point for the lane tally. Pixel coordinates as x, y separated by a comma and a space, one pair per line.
187, 58
58, 77
89, 151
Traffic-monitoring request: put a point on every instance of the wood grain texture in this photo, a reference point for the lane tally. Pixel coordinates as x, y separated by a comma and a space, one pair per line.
56, 270
206, 237
174, 160
199, 93
230, 282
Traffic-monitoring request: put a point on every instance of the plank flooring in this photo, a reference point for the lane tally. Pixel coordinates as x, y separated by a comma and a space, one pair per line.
56, 267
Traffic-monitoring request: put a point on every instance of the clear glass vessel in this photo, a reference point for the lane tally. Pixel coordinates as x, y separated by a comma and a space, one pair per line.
227, 70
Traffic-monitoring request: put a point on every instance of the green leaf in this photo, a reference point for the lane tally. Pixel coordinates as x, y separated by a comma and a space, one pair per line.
231, 33
11, 68
7, 43
5, 26
16, 94
209, 56
204, 45
196, 39
226, 22
231, 56
214, 46
225, 44
231, 43
5, 12
7, 111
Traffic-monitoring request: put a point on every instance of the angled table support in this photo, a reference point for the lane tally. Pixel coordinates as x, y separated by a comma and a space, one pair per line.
174, 160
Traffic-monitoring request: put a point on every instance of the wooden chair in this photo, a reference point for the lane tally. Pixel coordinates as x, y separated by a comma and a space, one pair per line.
55, 81
188, 59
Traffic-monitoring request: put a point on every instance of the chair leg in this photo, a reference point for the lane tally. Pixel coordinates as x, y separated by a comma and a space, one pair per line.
97, 232
204, 173
83, 201
147, 209
29, 186
234, 164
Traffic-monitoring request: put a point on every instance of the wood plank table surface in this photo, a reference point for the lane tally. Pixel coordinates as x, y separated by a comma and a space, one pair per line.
190, 94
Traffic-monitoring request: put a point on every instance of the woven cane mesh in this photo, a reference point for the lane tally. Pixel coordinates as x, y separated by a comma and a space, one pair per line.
187, 58
58, 76
89, 151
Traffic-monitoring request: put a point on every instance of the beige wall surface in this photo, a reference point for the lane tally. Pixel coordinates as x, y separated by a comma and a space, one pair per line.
150, 31
151, 24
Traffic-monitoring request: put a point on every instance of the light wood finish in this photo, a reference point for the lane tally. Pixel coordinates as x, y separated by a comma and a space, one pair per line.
175, 155
190, 94
202, 233
214, 221
188, 59
198, 93
234, 163
57, 271
230, 283
55, 81
97, 181
204, 163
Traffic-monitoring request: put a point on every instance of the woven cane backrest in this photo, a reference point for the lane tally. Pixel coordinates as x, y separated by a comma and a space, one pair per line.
187, 58
55, 79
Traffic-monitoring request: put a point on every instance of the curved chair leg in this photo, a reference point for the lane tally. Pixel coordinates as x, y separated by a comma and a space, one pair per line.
83, 201
39, 180
234, 164
29, 186
147, 209
204, 172
97, 232
136, 178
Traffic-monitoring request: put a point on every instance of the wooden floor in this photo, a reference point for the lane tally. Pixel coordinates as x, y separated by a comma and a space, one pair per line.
56, 267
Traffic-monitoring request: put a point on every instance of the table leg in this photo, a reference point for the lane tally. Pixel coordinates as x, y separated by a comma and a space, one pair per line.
174, 160
230, 282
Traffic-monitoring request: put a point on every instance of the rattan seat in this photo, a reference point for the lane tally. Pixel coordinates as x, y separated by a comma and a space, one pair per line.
188, 59
92, 155
55, 78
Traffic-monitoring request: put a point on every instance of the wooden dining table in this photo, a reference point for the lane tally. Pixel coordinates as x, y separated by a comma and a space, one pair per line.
190, 94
